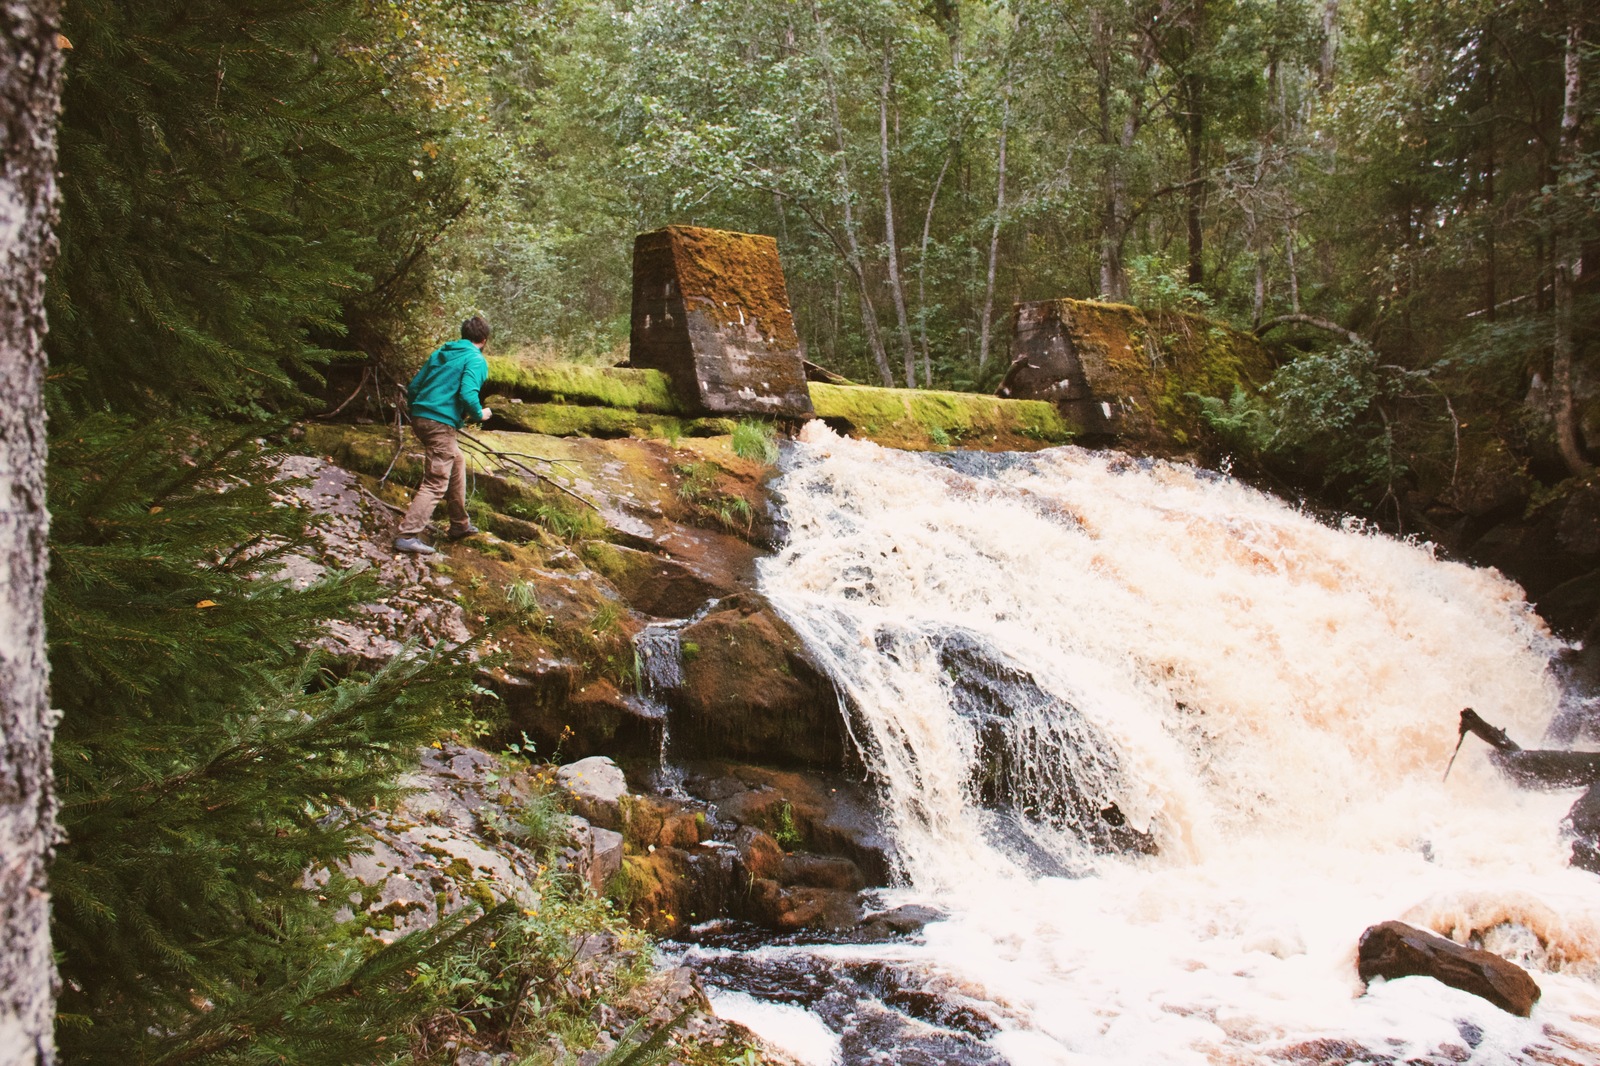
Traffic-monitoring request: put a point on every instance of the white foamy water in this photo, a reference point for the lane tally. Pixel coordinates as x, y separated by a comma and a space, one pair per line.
1265, 704
797, 1032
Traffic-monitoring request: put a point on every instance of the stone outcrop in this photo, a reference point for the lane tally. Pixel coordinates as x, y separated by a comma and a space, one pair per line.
449, 843
1117, 371
711, 310
750, 691
1394, 949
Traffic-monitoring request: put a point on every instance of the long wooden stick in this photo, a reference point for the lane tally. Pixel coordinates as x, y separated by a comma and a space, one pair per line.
505, 457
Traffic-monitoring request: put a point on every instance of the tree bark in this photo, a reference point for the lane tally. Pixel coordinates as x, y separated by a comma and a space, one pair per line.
1568, 254
994, 234
30, 89
1116, 214
922, 270
896, 289
1193, 95
853, 257
1330, 45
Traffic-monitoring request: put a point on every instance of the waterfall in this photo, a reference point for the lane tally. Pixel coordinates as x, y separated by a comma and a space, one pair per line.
1163, 746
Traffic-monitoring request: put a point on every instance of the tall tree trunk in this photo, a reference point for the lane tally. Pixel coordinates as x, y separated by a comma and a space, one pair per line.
1568, 251
994, 234
1193, 89
30, 88
896, 289
1486, 70
1330, 45
853, 258
1116, 215
922, 269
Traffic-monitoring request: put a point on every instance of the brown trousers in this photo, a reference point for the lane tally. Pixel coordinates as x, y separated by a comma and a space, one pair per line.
444, 474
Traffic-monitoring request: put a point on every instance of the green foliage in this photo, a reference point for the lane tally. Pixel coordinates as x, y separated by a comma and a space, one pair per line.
756, 441
243, 192
205, 760
523, 596
784, 830
1155, 284
570, 521
539, 975
701, 490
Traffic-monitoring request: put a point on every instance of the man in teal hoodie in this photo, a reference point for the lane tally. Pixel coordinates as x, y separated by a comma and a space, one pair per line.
443, 395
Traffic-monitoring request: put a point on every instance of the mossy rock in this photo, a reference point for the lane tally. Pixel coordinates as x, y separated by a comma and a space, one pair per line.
928, 420
574, 420
589, 386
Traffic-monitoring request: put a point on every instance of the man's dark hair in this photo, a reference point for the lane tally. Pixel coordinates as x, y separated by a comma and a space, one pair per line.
476, 330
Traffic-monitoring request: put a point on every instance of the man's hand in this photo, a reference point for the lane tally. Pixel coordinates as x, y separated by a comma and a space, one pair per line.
484, 417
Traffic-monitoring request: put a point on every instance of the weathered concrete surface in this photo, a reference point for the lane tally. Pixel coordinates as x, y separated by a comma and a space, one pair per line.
1118, 371
711, 310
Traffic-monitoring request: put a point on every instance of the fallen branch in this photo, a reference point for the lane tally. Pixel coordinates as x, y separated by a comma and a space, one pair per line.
506, 457
366, 373
1312, 320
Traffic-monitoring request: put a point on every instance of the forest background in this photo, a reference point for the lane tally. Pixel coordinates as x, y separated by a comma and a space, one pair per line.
250, 191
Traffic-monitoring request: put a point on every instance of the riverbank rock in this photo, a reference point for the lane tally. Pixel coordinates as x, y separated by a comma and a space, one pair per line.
750, 690
1394, 949
452, 841
597, 787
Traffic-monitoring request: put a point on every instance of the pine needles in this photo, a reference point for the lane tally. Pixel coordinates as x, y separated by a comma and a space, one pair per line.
206, 759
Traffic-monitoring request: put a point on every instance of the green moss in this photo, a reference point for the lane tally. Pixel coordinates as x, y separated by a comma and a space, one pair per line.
570, 420
733, 277
710, 427
918, 420
480, 893
590, 386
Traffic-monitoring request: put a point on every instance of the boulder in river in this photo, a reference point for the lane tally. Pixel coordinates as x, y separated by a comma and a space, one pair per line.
1395, 949
750, 690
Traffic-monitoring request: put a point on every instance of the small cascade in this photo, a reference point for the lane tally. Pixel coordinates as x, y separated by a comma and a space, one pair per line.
1194, 740
658, 651
658, 663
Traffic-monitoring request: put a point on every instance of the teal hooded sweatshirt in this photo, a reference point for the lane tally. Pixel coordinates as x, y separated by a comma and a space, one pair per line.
446, 388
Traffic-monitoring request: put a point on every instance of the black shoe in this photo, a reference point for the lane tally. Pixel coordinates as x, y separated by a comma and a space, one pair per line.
470, 531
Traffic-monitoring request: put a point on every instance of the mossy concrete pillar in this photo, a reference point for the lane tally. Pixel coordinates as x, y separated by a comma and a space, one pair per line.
711, 311
1130, 373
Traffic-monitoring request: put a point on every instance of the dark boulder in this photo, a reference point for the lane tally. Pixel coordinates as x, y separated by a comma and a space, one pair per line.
750, 691
1394, 949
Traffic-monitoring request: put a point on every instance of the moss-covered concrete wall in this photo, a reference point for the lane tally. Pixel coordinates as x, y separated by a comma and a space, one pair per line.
925, 420
588, 386
1124, 372
569, 400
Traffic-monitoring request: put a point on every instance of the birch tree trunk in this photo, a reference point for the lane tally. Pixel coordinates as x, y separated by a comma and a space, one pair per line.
994, 234
922, 270
30, 86
896, 288
1568, 253
853, 257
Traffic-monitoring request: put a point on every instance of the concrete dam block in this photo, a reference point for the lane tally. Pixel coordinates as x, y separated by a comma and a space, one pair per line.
1119, 371
711, 311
